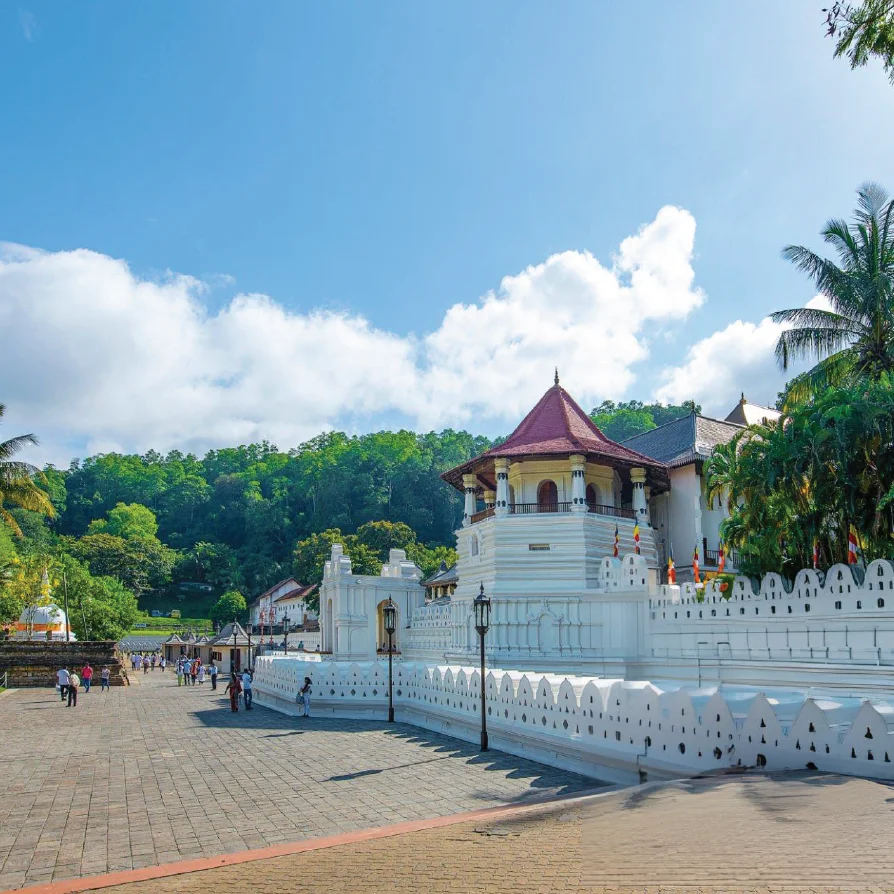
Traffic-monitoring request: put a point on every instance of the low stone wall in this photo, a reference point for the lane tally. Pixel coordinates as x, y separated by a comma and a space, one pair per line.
36, 663
615, 730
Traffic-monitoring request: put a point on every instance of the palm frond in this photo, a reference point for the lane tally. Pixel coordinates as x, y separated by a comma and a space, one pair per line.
828, 373
800, 344
14, 445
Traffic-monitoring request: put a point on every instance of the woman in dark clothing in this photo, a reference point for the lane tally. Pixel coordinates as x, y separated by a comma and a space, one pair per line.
234, 687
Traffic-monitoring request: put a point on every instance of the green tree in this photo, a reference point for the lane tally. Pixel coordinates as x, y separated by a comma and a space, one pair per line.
855, 339
141, 563
212, 563
127, 520
17, 481
863, 31
620, 421
231, 605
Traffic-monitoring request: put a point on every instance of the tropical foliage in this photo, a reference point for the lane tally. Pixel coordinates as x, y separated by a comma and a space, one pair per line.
17, 481
855, 338
827, 468
863, 31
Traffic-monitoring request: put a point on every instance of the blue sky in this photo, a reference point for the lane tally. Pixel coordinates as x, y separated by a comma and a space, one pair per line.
389, 161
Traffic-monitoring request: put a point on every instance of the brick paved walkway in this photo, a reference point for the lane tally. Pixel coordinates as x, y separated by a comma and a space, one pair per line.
756, 834
153, 774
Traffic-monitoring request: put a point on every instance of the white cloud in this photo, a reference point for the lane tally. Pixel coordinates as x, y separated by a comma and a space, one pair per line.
737, 359
105, 360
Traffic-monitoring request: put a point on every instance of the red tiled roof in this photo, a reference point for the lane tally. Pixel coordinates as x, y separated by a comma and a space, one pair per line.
298, 592
557, 426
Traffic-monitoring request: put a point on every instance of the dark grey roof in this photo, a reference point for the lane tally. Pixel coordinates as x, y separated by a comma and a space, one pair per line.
442, 577
226, 636
142, 643
685, 440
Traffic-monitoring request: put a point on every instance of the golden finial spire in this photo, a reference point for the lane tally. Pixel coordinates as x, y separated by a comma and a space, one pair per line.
557, 375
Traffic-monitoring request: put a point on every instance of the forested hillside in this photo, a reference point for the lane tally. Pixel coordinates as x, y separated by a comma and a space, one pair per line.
239, 518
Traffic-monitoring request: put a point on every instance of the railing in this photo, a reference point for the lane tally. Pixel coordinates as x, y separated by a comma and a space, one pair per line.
712, 557
616, 511
533, 508
480, 516
4, 680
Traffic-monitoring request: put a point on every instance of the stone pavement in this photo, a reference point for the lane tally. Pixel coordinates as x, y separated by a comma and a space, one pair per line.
153, 773
752, 833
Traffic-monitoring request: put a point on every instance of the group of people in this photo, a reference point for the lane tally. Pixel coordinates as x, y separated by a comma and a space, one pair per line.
147, 662
69, 682
191, 671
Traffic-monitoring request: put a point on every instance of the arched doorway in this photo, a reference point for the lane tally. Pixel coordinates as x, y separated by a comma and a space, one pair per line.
547, 497
592, 496
381, 635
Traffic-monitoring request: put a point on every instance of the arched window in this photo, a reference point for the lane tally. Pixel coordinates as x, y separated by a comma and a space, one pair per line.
474, 545
592, 496
547, 497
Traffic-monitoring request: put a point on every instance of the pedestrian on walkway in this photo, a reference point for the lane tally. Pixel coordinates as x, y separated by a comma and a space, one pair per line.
194, 671
154, 659
303, 697
179, 670
62, 676
212, 672
104, 676
145, 664
73, 684
201, 675
247, 693
234, 688
163, 663
87, 675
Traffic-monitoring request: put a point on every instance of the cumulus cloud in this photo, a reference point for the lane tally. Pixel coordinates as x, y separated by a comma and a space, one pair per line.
737, 359
106, 360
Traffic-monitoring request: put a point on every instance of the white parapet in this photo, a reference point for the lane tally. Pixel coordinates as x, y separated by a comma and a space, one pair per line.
615, 730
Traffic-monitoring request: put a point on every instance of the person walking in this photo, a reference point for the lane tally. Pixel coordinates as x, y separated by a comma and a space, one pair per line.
73, 684
234, 687
104, 677
212, 672
62, 676
247, 693
163, 663
201, 675
194, 671
87, 675
303, 697
145, 664
179, 670
154, 659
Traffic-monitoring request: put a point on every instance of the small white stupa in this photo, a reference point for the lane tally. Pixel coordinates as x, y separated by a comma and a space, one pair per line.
44, 622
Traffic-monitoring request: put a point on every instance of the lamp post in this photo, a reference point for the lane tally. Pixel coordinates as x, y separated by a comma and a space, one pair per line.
233, 658
390, 614
285, 634
248, 631
482, 622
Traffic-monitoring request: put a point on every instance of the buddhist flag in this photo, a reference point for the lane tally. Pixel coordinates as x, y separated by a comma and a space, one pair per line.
695, 573
851, 547
721, 558
671, 569
617, 542
636, 537
815, 554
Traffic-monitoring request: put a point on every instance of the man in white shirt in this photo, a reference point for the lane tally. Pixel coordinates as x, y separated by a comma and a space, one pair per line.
246, 690
62, 677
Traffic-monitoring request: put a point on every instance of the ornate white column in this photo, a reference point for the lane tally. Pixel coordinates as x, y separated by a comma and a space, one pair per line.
501, 467
648, 492
640, 507
490, 498
578, 484
470, 483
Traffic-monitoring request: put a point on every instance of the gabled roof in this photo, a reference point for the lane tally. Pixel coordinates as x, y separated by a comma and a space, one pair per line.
442, 576
226, 635
299, 592
686, 440
752, 414
557, 426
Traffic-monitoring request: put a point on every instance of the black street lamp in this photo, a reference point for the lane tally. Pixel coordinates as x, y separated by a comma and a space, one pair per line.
390, 614
235, 646
482, 622
285, 634
248, 631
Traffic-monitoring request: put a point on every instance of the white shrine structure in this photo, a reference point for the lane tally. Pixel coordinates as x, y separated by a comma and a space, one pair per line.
594, 664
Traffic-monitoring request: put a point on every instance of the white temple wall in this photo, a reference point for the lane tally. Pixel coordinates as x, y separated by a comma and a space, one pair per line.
610, 729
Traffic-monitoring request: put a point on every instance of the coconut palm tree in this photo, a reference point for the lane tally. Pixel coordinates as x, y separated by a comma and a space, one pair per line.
855, 338
17, 487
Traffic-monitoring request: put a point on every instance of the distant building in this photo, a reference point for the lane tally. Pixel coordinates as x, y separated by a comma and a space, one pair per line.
441, 582
752, 414
288, 598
